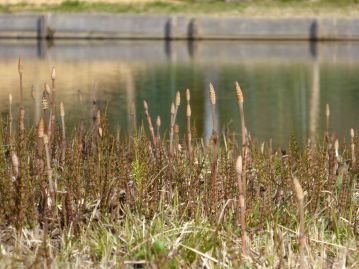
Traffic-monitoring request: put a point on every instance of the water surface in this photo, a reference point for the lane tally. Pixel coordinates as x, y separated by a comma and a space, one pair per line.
286, 84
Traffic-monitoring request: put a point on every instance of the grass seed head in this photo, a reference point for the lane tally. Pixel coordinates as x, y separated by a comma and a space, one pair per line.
100, 132
145, 105
188, 110
239, 93
298, 189
327, 110
212, 94
10, 99
352, 133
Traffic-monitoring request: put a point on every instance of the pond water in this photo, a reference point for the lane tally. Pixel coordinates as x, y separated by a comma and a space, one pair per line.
286, 84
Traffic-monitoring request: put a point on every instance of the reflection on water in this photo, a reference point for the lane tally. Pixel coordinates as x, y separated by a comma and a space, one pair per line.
286, 84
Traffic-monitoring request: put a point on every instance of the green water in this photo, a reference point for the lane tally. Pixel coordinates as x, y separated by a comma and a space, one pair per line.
286, 85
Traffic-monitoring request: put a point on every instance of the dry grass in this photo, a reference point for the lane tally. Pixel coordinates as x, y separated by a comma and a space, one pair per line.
90, 197
253, 8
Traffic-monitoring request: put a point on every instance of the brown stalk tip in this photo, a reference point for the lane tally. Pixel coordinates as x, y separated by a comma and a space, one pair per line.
298, 189
62, 110
100, 131
47, 88
53, 73
239, 93
10, 98
40, 128
352, 133
212, 94
173, 109
178, 99
327, 110
189, 110
188, 95
158, 121
145, 105
239, 166
19, 66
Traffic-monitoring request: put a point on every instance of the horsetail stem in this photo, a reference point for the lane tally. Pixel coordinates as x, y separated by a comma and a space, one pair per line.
149, 122
241, 204
52, 188
172, 123
20, 69
301, 236
10, 118
62, 115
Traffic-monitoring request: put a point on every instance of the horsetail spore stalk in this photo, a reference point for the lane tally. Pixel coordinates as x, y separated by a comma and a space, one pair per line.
53, 107
189, 133
62, 115
240, 101
149, 122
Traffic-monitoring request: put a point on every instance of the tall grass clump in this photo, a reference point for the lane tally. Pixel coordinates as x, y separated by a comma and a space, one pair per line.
91, 197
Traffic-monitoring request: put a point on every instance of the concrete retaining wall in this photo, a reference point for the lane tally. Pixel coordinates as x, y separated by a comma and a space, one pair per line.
250, 28
126, 26
106, 26
24, 26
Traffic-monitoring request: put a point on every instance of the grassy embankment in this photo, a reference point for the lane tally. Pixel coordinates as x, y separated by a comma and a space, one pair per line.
266, 8
90, 197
